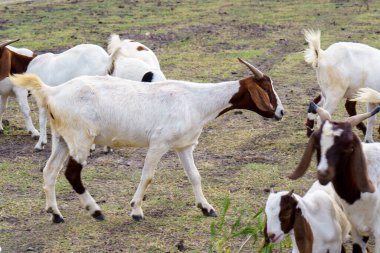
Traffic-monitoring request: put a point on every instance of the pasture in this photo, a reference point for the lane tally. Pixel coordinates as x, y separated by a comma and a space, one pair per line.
239, 155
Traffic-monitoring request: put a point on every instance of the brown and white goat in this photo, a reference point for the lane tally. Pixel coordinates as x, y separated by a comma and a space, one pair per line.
15, 61
354, 170
315, 222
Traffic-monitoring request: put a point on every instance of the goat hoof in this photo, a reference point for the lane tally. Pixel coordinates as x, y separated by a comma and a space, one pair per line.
1, 131
136, 217
206, 212
97, 215
38, 149
57, 218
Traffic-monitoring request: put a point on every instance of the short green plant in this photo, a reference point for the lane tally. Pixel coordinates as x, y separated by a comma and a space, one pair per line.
223, 234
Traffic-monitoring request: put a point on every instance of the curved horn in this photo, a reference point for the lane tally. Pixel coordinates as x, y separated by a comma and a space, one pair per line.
355, 120
257, 73
323, 114
7, 42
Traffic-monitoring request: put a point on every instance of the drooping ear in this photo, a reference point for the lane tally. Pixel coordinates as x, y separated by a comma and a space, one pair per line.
5, 64
358, 168
260, 97
306, 159
302, 233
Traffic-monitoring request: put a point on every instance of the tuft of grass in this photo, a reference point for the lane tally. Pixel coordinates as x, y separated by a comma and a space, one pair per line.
222, 233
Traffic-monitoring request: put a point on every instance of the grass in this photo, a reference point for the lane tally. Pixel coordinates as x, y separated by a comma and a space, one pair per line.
238, 156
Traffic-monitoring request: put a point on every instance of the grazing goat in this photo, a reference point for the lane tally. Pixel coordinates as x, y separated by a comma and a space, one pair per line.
115, 112
315, 221
14, 61
341, 70
354, 170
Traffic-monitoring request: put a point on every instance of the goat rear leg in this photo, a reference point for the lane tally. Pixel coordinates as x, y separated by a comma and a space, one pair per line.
55, 163
3, 106
73, 174
151, 160
43, 135
351, 110
187, 160
371, 123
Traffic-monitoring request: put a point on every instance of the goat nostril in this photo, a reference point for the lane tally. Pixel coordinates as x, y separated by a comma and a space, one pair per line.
271, 236
282, 112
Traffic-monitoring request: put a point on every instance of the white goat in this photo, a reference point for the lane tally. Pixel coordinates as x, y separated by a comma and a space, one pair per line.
7, 89
316, 221
341, 70
343, 160
135, 61
116, 112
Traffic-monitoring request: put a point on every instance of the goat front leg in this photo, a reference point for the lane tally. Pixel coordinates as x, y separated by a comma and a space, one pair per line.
371, 123
359, 242
311, 117
151, 160
43, 136
3, 106
22, 100
59, 154
187, 160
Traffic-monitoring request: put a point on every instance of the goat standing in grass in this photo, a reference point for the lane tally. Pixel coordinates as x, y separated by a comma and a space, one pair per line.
115, 112
341, 70
354, 170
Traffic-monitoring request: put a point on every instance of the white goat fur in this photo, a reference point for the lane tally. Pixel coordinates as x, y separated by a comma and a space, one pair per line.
321, 210
341, 70
7, 89
132, 64
115, 112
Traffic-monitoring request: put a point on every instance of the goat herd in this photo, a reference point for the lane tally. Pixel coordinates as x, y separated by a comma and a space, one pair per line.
94, 97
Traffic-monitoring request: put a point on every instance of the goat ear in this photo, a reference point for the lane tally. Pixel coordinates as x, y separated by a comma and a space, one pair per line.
358, 168
305, 160
302, 233
5, 64
260, 97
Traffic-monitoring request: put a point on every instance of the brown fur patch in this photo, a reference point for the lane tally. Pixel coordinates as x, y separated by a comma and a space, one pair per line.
141, 48
303, 233
254, 95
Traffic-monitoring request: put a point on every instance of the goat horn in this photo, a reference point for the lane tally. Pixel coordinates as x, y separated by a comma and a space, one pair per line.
355, 120
323, 114
257, 73
7, 42
290, 193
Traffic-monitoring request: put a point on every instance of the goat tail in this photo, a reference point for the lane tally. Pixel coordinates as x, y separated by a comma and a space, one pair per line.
313, 53
33, 83
114, 48
367, 95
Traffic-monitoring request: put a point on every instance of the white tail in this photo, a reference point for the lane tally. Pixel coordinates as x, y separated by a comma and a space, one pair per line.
314, 51
367, 95
34, 84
